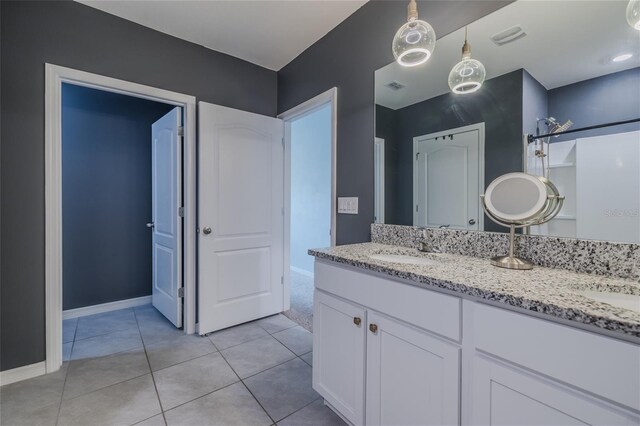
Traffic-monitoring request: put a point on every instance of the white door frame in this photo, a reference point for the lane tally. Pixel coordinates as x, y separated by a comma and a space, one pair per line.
379, 194
477, 126
54, 77
295, 113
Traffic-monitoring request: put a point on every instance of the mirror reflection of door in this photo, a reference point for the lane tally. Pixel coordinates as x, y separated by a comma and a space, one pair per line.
378, 166
448, 173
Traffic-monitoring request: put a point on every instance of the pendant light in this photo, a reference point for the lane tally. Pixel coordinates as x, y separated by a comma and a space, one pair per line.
633, 14
469, 74
414, 42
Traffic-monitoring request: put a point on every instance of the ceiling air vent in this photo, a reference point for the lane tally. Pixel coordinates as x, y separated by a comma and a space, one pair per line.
394, 85
509, 35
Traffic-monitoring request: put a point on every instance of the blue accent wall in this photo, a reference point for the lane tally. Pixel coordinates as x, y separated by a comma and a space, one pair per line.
106, 195
606, 99
310, 186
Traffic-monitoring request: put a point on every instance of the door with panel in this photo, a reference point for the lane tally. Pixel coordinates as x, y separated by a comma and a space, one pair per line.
240, 215
339, 354
507, 396
166, 222
447, 180
413, 378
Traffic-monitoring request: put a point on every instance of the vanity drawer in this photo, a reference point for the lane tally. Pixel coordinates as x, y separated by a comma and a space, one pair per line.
598, 364
432, 311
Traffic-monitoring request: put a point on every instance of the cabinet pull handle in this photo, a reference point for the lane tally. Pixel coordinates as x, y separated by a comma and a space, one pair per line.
373, 328
357, 321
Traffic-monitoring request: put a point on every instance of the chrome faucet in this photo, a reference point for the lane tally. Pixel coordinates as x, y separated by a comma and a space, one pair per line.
424, 246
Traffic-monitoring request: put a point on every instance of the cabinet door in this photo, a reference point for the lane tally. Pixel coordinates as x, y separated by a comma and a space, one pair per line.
338, 354
507, 396
412, 377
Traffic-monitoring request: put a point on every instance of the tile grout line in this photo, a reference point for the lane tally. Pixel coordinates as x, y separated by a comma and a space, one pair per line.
301, 408
66, 374
247, 387
153, 379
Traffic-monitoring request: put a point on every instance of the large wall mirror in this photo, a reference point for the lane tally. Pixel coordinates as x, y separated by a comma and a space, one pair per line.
550, 67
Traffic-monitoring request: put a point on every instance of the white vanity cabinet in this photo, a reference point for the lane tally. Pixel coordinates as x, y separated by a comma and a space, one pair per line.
390, 353
504, 395
364, 348
412, 377
339, 354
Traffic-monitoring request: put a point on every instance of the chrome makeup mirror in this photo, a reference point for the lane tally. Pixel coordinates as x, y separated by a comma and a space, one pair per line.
517, 200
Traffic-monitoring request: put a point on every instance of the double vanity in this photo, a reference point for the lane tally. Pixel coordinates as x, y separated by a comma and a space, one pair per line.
403, 337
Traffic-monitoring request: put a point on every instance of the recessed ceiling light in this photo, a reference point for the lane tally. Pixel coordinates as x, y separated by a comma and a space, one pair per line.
622, 57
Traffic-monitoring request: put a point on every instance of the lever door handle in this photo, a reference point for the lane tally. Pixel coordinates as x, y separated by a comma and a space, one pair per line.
472, 221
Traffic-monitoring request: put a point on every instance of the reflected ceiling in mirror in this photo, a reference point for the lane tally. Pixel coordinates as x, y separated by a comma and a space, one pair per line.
557, 42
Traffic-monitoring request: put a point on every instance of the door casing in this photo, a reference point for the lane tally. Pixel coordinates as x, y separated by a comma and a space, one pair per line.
54, 77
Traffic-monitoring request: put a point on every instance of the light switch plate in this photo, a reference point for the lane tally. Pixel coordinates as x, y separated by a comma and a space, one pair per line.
348, 205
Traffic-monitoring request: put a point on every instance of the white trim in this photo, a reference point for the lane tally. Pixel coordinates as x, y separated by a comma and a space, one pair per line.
480, 128
301, 271
54, 77
380, 167
106, 307
305, 108
22, 373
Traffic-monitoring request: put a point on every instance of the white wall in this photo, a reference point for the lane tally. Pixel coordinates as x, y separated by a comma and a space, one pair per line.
310, 186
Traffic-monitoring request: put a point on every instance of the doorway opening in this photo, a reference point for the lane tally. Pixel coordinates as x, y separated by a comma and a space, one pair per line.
118, 165
310, 135
121, 238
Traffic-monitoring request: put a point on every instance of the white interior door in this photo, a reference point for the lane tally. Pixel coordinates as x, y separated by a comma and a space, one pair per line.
241, 199
166, 171
447, 178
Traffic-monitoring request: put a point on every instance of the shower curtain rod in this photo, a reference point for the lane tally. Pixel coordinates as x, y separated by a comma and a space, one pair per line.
532, 138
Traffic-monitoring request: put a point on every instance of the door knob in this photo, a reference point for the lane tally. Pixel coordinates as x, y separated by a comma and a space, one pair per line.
373, 328
357, 321
150, 225
206, 230
472, 221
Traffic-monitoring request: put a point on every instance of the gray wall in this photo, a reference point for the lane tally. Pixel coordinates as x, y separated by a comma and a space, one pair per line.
347, 58
106, 195
534, 104
498, 104
77, 36
606, 99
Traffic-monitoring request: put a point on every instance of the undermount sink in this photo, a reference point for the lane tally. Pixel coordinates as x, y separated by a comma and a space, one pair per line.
402, 258
619, 300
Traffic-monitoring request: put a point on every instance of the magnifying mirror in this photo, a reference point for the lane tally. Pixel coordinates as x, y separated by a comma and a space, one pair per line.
517, 200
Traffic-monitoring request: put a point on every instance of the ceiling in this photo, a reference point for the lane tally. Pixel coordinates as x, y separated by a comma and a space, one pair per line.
269, 33
566, 42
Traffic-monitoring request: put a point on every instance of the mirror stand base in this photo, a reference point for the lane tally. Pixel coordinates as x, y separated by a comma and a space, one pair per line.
511, 262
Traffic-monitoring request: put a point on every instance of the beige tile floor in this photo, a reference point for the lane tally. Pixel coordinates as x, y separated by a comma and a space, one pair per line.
133, 367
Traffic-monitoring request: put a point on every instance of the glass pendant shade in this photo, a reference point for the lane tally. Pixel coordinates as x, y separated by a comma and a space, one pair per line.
414, 42
468, 74
633, 14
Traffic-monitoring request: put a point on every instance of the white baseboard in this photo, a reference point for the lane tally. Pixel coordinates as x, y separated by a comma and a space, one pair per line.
105, 307
302, 271
22, 373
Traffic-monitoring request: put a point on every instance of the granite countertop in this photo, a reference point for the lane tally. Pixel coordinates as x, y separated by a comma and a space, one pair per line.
548, 291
